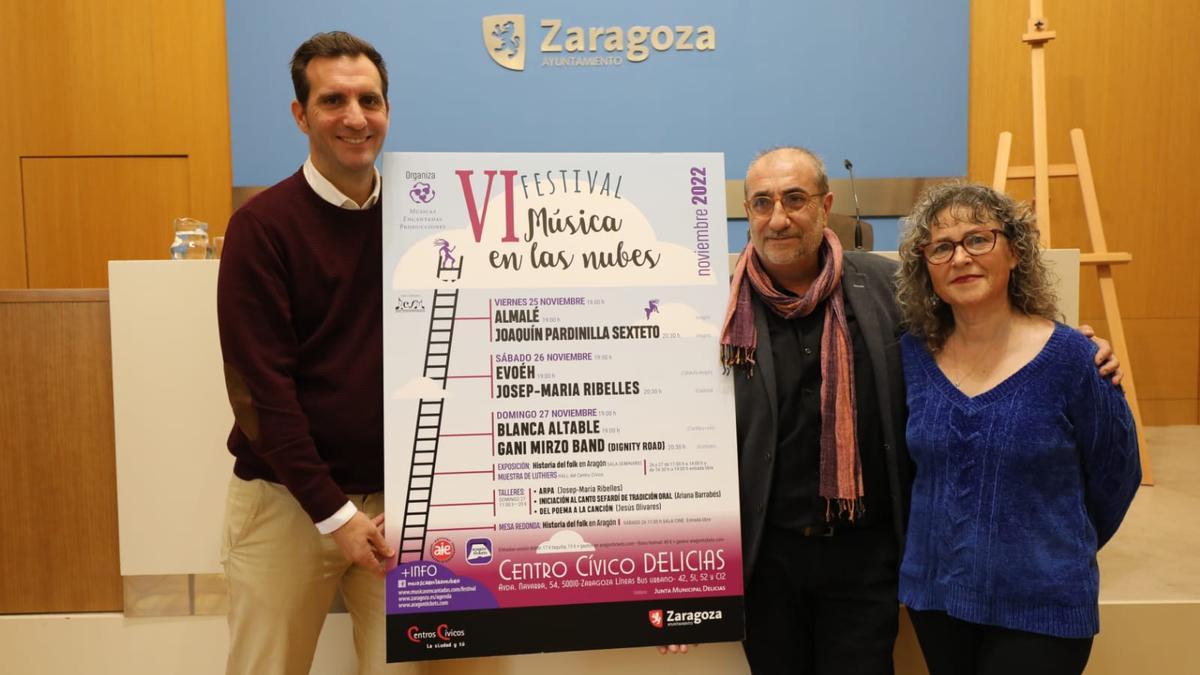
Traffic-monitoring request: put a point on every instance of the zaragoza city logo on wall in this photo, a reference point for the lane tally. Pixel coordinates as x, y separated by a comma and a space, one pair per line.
504, 39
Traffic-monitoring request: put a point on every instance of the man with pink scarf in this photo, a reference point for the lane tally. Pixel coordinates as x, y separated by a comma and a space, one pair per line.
811, 335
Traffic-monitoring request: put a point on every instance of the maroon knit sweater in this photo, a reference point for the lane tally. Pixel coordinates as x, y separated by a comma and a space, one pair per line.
299, 303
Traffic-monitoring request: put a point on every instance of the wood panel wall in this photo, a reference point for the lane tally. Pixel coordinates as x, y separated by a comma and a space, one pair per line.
110, 80
1125, 72
83, 211
58, 486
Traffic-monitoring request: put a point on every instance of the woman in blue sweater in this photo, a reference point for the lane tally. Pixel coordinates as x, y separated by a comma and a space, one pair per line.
1026, 458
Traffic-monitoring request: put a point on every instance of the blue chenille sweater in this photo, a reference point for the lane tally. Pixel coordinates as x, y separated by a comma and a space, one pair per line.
1016, 489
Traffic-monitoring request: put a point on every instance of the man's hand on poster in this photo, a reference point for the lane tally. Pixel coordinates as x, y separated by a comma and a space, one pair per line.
361, 540
1110, 365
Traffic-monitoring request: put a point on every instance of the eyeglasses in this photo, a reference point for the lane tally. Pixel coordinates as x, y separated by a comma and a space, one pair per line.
793, 202
975, 243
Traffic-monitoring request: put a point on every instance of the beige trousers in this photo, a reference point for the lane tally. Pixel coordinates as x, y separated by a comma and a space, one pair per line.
282, 577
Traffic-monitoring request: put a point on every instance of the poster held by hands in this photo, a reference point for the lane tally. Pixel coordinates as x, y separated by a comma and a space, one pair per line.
561, 467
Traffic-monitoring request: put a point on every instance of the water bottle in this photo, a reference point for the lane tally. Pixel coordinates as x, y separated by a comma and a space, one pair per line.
191, 240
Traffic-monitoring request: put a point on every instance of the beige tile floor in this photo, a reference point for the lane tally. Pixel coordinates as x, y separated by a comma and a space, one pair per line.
1155, 556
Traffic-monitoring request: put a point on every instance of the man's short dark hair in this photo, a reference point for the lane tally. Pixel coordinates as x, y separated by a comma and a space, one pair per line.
332, 45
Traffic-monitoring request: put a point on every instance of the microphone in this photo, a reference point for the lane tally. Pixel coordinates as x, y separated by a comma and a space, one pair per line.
857, 214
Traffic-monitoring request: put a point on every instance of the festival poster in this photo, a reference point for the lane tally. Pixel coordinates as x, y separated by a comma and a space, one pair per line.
561, 465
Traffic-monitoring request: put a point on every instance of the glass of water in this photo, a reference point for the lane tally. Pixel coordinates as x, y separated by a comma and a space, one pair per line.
191, 240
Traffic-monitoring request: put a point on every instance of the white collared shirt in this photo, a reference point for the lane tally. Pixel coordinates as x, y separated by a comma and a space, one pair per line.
327, 191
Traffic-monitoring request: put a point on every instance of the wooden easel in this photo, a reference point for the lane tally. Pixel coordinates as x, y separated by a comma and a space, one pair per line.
1036, 36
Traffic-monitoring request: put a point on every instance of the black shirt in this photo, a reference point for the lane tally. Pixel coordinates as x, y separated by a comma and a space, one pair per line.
795, 500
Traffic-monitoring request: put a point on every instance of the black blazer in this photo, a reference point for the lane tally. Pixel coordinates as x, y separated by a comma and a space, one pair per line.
867, 280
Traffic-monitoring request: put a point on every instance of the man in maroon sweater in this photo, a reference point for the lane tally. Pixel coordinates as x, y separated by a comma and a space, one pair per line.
299, 302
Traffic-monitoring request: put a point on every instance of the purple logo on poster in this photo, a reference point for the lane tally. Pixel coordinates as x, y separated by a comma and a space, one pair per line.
444, 251
479, 551
421, 193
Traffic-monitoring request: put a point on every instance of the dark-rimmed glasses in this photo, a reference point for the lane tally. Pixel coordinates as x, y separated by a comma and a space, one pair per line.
975, 243
793, 202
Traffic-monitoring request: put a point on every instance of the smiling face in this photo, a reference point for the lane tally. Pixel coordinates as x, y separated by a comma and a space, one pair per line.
345, 119
786, 239
970, 281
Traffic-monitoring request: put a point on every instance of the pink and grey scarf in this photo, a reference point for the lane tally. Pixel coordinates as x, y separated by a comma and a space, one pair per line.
841, 468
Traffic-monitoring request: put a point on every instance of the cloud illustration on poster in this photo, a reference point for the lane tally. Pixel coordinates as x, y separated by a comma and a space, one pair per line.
547, 253
680, 319
565, 541
420, 388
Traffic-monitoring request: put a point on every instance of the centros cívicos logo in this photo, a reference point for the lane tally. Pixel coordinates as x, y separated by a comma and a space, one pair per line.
443, 633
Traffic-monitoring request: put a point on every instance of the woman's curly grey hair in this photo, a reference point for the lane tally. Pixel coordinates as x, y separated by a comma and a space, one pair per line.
1030, 287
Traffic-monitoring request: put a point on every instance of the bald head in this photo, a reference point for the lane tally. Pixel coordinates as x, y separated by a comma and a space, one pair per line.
784, 153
